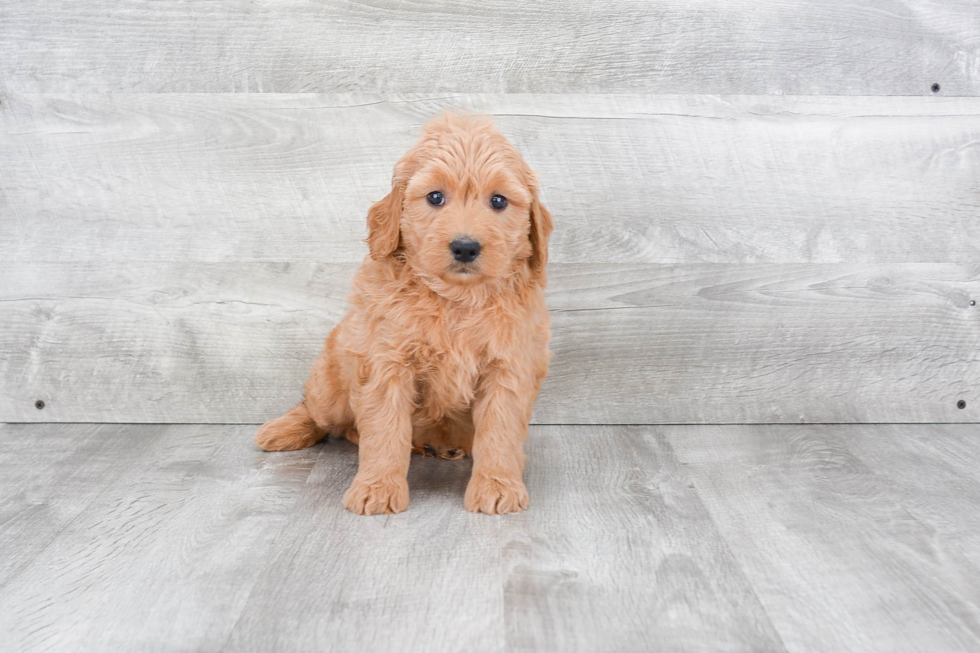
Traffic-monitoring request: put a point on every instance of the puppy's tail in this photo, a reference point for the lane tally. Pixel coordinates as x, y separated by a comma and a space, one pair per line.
294, 430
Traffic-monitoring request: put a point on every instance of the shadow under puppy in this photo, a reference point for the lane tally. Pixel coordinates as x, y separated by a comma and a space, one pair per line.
446, 342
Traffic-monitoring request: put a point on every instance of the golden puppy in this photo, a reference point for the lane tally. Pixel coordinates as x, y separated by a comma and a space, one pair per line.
446, 342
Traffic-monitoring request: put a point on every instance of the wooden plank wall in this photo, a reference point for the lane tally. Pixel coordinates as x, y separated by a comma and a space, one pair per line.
764, 213
800, 47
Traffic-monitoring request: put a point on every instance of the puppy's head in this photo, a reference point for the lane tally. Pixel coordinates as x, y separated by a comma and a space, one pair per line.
463, 206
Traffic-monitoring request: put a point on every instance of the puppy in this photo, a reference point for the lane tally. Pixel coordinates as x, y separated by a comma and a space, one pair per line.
445, 345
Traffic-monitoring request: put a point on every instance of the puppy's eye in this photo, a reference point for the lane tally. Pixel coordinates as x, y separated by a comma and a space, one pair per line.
498, 202
436, 198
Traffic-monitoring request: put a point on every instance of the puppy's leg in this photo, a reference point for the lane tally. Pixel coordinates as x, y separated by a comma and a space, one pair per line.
294, 430
326, 407
500, 415
383, 409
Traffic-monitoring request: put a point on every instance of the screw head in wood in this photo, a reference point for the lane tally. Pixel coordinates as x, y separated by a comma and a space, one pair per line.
961, 404
935, 88
39, 404
973, 302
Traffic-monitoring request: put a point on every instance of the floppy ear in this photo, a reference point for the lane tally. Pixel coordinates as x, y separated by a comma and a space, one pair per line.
541, 227
384, 217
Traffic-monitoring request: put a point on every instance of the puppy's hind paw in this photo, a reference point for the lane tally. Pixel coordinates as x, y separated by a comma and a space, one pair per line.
272, 437
449, 453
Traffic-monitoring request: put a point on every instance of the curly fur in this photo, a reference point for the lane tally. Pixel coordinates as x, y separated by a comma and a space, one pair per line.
431, 356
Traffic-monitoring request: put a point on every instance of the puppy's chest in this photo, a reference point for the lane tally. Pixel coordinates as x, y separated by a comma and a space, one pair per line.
448, 365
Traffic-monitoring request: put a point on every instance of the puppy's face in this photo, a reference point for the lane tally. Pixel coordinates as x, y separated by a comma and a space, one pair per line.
466, 206
466, 215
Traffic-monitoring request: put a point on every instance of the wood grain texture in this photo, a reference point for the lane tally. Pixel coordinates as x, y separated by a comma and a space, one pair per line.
615, 554
618, 554
911, 460
37, 463
165, 555
630, 179
672, 538
886, 47
879, 544
233, 342
428, 579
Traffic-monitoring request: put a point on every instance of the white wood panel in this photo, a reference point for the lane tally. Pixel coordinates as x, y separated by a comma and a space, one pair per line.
629, 178
180, 342
855, 47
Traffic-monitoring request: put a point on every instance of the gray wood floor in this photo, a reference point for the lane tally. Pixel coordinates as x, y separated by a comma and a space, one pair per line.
639, 538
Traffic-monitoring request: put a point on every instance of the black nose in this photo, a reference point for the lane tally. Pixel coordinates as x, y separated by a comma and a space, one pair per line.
465, 250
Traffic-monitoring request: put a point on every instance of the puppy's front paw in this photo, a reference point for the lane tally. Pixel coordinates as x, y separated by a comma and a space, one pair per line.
495, 495
377, 497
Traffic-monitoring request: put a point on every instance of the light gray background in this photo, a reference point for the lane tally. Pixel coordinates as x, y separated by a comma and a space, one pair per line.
763, 212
